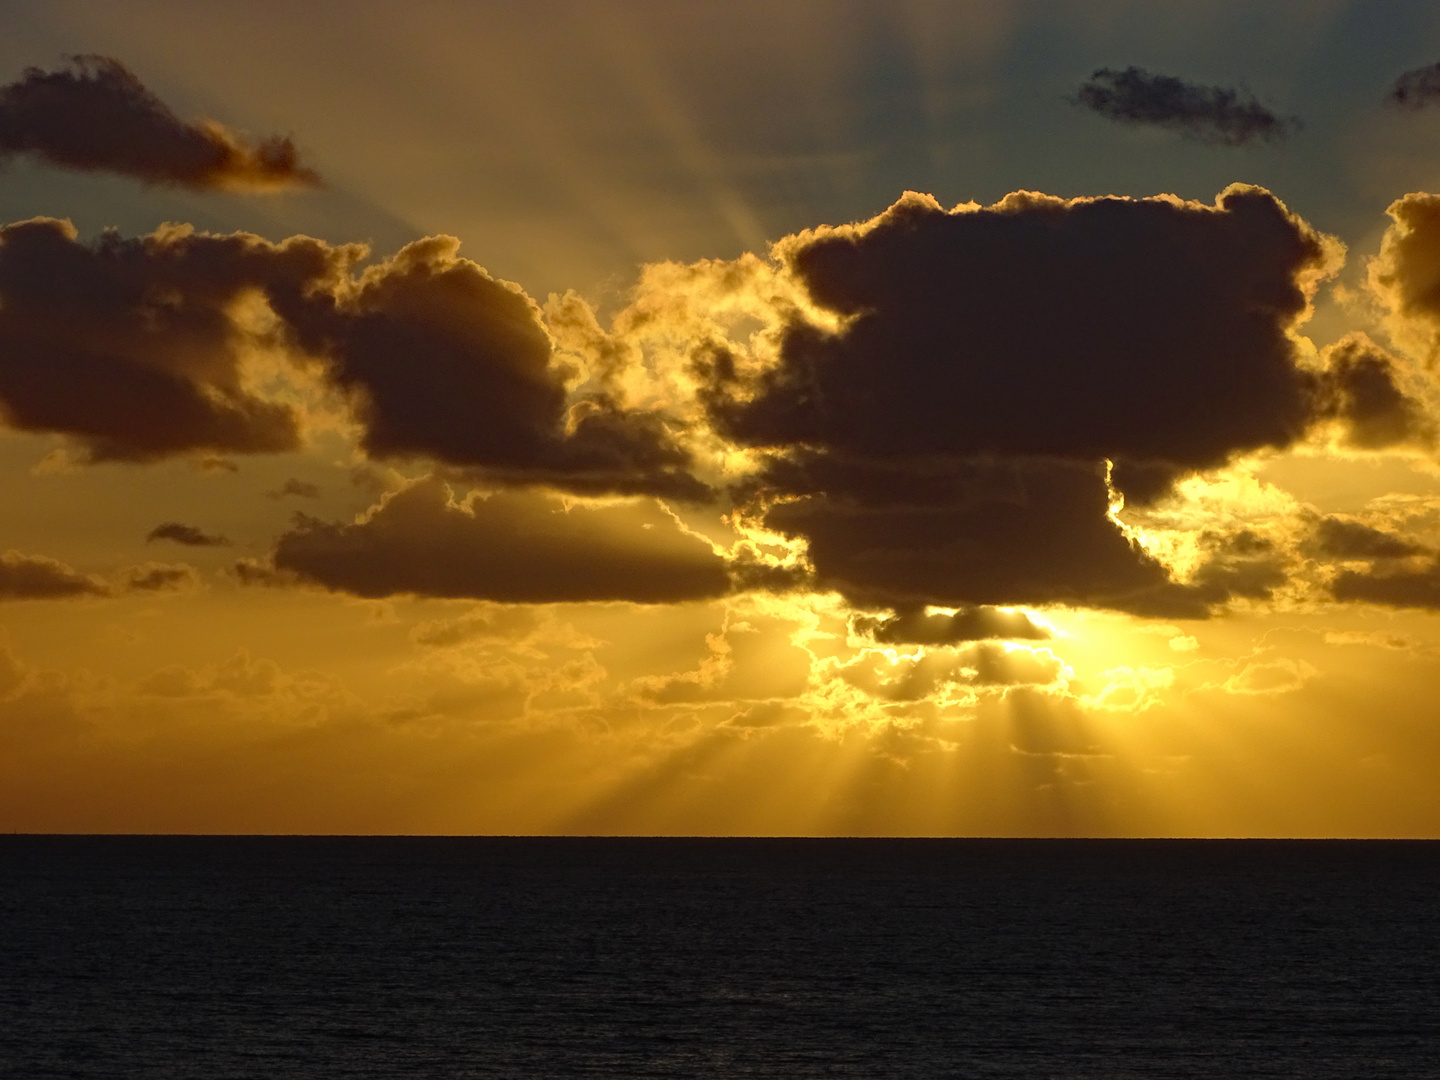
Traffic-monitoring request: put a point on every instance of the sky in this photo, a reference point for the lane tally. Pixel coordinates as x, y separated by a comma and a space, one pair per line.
981, 419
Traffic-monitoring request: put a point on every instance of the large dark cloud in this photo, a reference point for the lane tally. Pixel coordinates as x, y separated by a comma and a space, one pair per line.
135, 348
946, 444
513, 547
1416, 88
1143, 329
1212, 114
445, 362
131, 346
98, 117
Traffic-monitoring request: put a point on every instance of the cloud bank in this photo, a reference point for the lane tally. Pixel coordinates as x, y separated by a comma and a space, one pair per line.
944, 409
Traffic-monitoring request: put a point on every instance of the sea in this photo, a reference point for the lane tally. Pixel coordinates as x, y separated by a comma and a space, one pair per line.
200, 958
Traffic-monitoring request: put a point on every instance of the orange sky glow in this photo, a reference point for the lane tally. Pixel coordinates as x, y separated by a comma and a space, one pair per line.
920, 419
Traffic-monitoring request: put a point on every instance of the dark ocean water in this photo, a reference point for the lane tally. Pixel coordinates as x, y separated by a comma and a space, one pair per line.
297, 957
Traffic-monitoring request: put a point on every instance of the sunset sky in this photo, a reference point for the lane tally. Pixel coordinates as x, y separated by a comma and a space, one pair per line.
746, 418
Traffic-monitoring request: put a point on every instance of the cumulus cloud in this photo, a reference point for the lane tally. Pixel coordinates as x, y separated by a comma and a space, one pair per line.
135, 348
37, 577
1344, 538
947, 409
1144, 329
1395, 588
1415, 89
1211, 114
131, 347
445, 362
513, 547
1365, 393
96, 116
1238, 564
1024, 531
1405, 276
189, 535
946, 444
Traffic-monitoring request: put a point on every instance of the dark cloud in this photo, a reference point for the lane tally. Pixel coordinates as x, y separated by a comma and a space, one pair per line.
1344, 538
96, 116
1406, 274
1211, 114
189, 535
513, 547
445, 362
301, 489
1145, 329
1400, 587
946, 445
1415, 89
1023, 531
1239, 564
918, 627
132, 347
36, 577
1143, 483
1364, 393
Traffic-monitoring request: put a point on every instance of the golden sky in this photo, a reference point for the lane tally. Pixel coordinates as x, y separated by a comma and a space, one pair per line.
870, 419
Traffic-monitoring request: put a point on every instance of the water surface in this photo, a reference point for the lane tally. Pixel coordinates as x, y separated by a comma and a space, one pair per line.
412, 957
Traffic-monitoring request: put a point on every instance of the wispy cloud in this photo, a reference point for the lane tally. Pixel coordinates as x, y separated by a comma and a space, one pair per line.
189, 535
1211, 114
1416, 88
